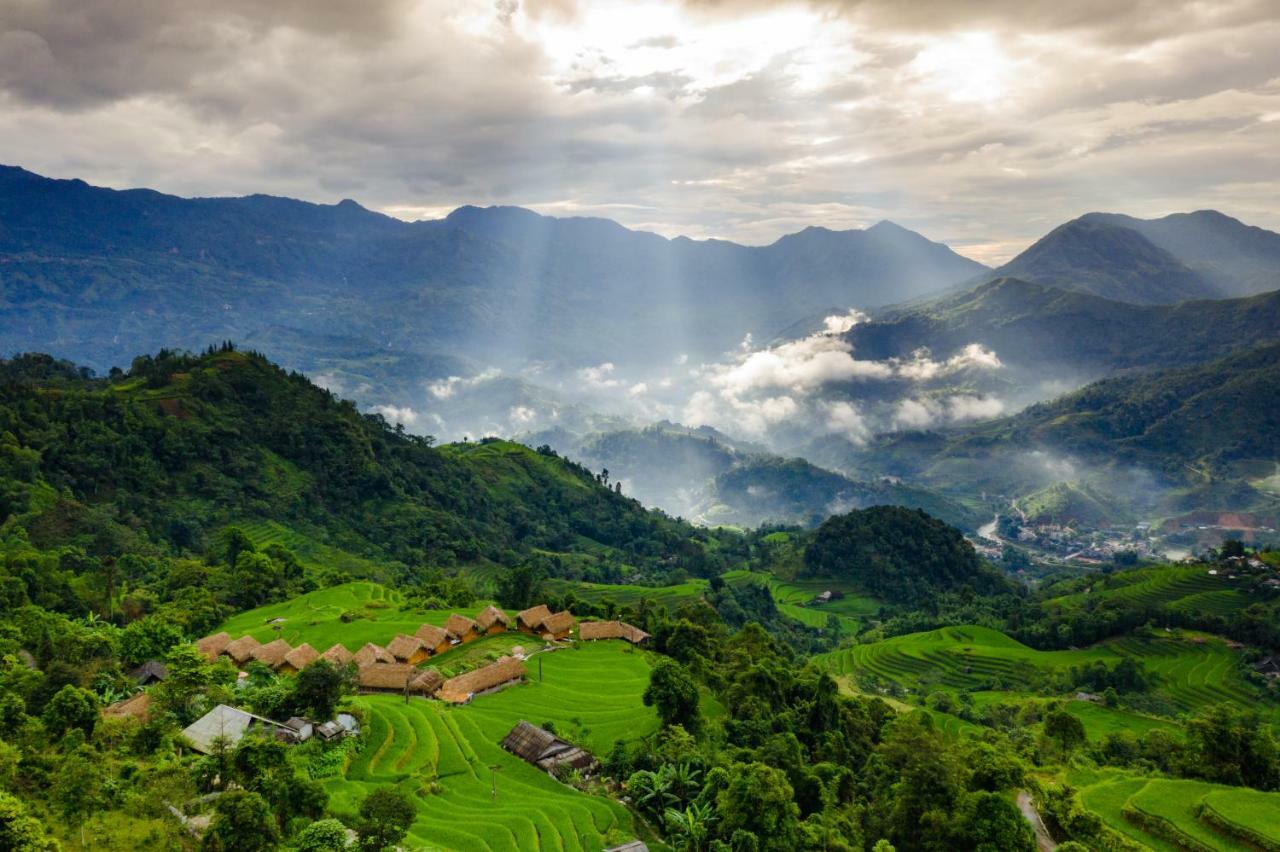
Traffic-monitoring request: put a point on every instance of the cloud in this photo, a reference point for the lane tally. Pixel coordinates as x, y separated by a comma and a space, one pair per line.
599, 377
405, 415
925, 412
921, 367
446, 388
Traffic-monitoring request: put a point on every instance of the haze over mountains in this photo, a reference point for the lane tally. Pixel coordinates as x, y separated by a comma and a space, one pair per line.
580, 332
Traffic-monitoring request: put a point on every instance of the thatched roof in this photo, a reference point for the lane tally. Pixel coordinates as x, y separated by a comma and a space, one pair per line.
138, 706
561, 622
460, 689
394, 676
460, 625
241, 650
338, 655
302, 656
431, 635
611, 630
149, 672
490, 616
372, 653
273, 653
534, 616
633, 634
545, 750
212, 646
403, 647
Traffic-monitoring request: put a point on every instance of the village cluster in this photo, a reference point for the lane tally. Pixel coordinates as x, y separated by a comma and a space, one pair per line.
397, 667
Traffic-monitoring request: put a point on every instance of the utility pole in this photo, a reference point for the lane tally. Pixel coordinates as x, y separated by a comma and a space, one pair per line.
493, 780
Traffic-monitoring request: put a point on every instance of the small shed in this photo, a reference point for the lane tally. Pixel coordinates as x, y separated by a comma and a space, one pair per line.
408, 649
436, 639
493, 620
302, 729
299, 658
241, 650
212, 646
462, 628
547, 751
338, 655
530, 620
152, 671
557, 626
273, 653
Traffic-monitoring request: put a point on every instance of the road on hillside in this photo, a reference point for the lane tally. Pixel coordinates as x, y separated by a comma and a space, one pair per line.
1044, 841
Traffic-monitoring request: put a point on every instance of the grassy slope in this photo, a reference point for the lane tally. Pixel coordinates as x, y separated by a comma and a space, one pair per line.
1252, 810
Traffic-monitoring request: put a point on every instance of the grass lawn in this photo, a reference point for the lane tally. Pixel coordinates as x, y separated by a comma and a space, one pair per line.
1253, 812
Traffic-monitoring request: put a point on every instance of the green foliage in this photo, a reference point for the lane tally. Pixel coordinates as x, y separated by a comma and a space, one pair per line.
325, 835
241, 823
673, 692
72, 708
759, 802
21, 831
319, 687
385, 817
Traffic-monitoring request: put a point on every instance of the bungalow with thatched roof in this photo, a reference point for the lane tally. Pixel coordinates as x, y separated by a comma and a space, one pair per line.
152, 671
229, 724
493, 620
408, 649
557, 626
547, 751
241, 650
435, 639
135, 707
592, 630
370, 654
212, 646
395, 677
531, 619
299, 658
273, 653
338, 655
461, 628
461, 689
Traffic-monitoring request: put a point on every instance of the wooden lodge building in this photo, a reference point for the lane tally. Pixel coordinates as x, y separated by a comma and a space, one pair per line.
592, 630
463, 629
547, 751
435, 639
505, 671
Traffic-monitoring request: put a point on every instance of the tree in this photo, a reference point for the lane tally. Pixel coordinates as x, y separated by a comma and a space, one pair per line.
238, 542
319, 687
1065, 730
522, 586
759, 800
148, 638
72, 707
242, 822
189, 675
385, 817
77, 788
21, 831
689, 828
673, 692
326, 835
988, 822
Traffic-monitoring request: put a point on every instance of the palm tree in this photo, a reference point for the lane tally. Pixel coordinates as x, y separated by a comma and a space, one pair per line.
688, 829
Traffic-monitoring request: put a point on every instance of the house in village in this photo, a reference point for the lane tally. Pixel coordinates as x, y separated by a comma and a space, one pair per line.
213, 646
229, 724
530, 620
273, 653
592, 630
299, 658
435, 639
134, 707
338, 655
501, 673
557, 626
399, 678
493, 620
462, 629
149, 672
408, 649
547, 751
241, 650
342, 725
302, 729
370, 654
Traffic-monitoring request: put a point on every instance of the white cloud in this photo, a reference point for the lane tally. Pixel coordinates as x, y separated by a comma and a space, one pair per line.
599, 377
405, 415
446, 388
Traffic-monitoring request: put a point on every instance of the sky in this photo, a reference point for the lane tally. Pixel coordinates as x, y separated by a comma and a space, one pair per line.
979, 124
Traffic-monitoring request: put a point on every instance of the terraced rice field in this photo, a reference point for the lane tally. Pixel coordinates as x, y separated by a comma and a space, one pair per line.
1163, 585
668, 597
1166, 814
316, 617
794, 596
971, 658
414, 744
308, 550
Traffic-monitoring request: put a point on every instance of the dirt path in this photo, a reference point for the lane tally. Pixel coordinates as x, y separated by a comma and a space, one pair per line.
1044, 842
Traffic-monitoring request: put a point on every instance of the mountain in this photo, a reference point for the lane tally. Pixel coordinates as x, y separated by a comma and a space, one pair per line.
1200, 255
95, 275
716, 480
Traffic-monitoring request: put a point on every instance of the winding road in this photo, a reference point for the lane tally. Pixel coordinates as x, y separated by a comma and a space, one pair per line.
1044, 841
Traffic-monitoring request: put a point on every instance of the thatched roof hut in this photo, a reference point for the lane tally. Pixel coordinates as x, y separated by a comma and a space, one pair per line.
547, 751
431, 635
137, 707
591, 630
212, 646
300, 657
393, 677
462, 628
152, 671
491, 620
557, 626
531, 619
338, 655
407, 649
273, 653
461, 689
371, 653
241, 650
